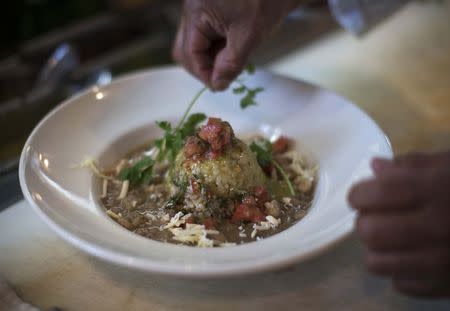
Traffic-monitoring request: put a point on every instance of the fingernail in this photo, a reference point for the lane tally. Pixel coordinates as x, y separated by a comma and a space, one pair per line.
220, 84
379, 165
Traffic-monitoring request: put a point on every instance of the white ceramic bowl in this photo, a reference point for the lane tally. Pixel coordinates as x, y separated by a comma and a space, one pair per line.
105, 123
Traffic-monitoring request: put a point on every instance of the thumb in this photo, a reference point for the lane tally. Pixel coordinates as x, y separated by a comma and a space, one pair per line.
231, 60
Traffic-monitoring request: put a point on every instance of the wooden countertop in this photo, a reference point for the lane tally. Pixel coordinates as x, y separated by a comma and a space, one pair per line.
399, 74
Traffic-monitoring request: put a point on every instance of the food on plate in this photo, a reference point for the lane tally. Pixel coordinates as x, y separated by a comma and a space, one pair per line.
219, 191
201, 185
218, 161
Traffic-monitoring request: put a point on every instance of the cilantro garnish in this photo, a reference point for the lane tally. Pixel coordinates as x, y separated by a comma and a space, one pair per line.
263, 152
250, 68
249, 94
172, 141
140, 173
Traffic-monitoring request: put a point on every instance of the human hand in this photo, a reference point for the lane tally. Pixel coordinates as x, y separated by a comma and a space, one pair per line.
404, 221
216, 37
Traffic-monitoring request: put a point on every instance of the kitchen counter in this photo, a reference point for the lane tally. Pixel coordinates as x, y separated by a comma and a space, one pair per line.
399, 74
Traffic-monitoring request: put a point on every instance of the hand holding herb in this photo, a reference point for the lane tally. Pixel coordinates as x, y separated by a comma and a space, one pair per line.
173, 139
216, 38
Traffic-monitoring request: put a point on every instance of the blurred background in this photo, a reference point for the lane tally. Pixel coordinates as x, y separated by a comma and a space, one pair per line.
52, 49
399, 73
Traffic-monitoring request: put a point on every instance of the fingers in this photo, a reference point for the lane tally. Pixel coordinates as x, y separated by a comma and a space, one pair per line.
423, 288
192, 48
403, 219
177, 50
402, 183
422, 263
230, 61
400, 231
215, 48
400, 192
197, 50
411, 161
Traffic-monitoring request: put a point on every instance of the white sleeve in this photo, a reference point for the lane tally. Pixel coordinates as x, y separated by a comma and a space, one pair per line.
359, 16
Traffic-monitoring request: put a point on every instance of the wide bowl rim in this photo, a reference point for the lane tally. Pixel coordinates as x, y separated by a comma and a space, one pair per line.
167, 268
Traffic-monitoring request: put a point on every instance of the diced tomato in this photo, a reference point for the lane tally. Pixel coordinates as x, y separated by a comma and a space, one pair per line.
249, 200
281, 145
260, 192
262, 196
212, 155
209, 223
245, 212
194, 146
217, 133
190, 220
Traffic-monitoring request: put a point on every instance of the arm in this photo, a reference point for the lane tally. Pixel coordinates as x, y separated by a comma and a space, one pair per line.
359, 16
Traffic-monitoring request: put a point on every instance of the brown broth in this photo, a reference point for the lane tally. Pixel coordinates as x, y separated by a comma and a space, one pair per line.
144, 211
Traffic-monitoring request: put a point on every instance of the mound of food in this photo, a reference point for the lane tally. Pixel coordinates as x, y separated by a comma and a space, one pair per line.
218, 191
217, 163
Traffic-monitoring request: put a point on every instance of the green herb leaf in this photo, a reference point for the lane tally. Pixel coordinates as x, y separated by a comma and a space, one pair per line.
263, 155
188, 128
250, 94
175, 199
250, 68
170, 144
263, 152
239, 89
247, 101
140, 173
165, 125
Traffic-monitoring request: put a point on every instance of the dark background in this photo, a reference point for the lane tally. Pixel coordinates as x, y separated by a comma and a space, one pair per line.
105, 38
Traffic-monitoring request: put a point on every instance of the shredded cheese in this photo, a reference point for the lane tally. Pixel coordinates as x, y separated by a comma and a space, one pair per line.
192, 234
212, 232
124, 190
92, 165
166, 217
299, 165
177, 220
120, 166
287, 200
148, 215
271, 223
104, 188
112, 214
205, 242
